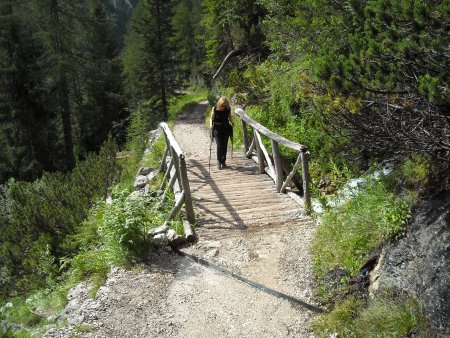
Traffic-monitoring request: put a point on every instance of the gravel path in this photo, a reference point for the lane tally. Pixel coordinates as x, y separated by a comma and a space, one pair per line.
172, 296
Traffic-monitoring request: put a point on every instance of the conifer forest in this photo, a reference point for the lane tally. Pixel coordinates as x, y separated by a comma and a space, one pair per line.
362, 83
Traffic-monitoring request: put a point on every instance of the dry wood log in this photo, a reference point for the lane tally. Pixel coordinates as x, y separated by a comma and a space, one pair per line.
163, 161
173, 143
188, 232
166, 175
305, 173
186, 191
278, 165
248, 154
265, 152
245, 136
296, 179
223, 63
178, 204
291, 174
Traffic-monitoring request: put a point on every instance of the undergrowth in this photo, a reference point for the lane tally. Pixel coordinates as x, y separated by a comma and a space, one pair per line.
386, 315
347, 236
91, 233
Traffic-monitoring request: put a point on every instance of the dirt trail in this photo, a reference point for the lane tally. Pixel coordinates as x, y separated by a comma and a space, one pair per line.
172, 296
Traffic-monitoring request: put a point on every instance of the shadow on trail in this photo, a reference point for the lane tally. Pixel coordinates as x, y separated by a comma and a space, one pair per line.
237, 221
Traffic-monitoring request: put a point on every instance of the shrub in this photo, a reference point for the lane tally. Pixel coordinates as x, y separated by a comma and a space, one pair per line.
38, 215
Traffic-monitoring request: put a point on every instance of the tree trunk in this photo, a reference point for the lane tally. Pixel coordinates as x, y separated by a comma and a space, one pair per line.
63, 93
162, 68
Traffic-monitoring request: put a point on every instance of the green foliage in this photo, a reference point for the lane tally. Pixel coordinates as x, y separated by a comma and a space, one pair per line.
188, 39
148, 65
350, 233
415, 172
185, 102
39, 215
385, 316
27, 318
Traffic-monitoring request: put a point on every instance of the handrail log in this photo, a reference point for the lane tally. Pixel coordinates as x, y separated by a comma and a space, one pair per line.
179, 181
171, 139
275, 167
270, 134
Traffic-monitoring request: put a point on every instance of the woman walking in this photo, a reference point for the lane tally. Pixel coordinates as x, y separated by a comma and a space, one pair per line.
222, 128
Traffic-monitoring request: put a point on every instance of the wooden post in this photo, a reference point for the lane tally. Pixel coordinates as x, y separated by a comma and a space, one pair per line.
176, 164
305, 174
188, 232
260, 154
245, 136
175, 209
291, 174
270, 166
278, 165
186, 191
163, 161
166, 175
248, 154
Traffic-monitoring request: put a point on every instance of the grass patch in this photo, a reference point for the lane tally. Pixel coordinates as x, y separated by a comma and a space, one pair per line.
387, 315
186, 101
349, 233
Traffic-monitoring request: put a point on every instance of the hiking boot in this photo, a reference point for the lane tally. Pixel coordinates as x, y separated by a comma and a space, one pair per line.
219, 166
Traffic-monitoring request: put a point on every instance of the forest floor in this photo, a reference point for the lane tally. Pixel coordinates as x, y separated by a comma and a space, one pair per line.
173, 296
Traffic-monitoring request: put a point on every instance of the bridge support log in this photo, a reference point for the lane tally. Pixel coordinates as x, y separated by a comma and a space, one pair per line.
291, 174
245, 136
259, 154
278, 165
305, 173
186, 191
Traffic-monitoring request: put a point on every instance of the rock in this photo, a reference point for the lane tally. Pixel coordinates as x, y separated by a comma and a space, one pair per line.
159, 230
144, 171
174, 238
160, 240
418, 263
152, 175
147, 189
140, 181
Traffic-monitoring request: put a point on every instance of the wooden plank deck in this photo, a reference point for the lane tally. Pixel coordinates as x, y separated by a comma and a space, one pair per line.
238, 200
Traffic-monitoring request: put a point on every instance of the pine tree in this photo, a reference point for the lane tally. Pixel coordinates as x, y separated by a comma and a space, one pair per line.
188, 39
148, 60
234, 25
25, 126
101, 84
58, 23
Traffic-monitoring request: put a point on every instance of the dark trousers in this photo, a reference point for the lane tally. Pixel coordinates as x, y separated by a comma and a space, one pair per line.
221, 134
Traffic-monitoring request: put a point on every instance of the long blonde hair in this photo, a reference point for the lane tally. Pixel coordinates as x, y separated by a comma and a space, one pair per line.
223, 102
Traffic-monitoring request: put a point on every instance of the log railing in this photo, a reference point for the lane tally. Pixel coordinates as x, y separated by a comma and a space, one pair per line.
273, 164
173, 165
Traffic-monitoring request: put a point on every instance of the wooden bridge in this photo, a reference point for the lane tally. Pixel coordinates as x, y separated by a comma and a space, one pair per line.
256, 190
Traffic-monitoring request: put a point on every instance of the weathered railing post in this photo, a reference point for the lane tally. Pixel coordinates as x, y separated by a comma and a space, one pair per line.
278, 165
275, 163
259, 153
245, 136
178, 181
305, 174
187, 191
